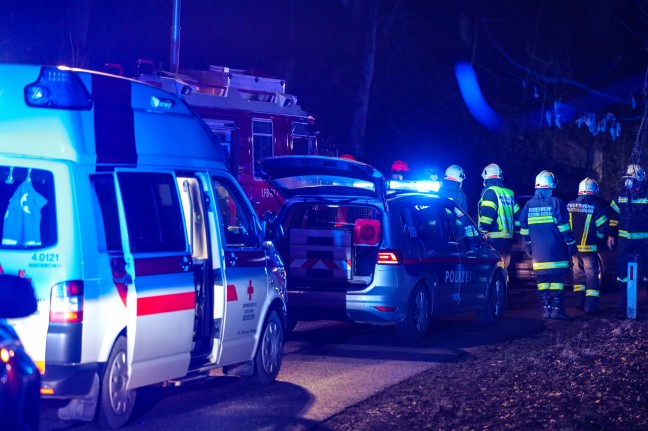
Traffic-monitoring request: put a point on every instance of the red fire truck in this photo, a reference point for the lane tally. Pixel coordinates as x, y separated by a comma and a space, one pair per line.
252, 117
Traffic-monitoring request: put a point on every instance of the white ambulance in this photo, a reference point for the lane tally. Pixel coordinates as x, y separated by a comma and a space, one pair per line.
148, 261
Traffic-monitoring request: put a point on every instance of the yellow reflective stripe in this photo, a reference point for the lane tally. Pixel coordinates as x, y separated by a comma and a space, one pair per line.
579, 288
622, 200
586, 248
501, 235
583, 242
524, 231
541, 219
601, 220
557, 286
614, 223
486, 220
640, 201
563, 227
633, 235
544, 286
592, 292
622, 279
489, 204
550, 265
614, 206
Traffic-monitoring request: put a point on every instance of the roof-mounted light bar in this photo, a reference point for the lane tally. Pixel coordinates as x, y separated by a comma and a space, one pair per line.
58, 88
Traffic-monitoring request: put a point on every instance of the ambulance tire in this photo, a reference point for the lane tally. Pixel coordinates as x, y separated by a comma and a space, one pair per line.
418, 320
495, 302
115, 402
267, 360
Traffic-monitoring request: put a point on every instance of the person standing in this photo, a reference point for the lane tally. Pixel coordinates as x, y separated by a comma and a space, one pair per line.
451, 186
589, 223
544, 226
629, 226
497, 212
398, 170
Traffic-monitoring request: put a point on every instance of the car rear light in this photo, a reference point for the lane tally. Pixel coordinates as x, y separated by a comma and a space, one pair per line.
390, 257
66, 302
386, 309
366, 232
58, 88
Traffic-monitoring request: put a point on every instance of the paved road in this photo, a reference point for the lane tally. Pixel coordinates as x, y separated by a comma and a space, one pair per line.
328, 366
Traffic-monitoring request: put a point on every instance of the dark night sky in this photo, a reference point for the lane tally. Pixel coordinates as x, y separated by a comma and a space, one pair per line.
527, 55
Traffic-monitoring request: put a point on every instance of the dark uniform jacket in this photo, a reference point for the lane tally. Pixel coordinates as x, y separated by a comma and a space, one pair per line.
588, 221
544, 221
452, 190
629, 214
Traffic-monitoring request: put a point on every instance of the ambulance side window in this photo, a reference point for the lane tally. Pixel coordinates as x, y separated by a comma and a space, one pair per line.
106, 204
153, 212
238, 224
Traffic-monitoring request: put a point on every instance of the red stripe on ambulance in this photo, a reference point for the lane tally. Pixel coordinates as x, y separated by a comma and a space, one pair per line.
166, 303
231, 293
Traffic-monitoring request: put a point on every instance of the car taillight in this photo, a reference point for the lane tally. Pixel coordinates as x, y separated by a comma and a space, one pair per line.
66, 302
390, 257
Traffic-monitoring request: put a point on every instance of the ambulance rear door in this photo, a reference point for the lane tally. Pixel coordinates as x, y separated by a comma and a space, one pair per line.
161, 296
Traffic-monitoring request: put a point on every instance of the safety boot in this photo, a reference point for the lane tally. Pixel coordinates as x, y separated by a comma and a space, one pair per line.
558, 309
591, 304
547, 309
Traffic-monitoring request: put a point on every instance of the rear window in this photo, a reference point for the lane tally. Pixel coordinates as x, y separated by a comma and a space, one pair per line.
28, 209
311, 182
329, 216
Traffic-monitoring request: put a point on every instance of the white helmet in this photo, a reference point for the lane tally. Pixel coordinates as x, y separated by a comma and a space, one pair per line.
588, 187
545, 180
492, 171
635, 172
454, 173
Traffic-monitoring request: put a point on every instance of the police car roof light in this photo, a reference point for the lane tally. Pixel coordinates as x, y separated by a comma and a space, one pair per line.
425, 186
58, 88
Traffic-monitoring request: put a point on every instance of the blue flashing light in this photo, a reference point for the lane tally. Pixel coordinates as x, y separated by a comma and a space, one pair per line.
58, 88
426, 186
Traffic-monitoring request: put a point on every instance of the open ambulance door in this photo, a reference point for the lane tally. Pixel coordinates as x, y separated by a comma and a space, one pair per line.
161, 297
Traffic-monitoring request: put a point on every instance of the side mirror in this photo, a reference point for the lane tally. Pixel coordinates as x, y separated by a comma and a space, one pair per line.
17, 298
272, 229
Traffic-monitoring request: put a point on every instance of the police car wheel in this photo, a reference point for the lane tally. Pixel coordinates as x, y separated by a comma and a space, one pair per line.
417, 322
269, 355
496, 301
116, 403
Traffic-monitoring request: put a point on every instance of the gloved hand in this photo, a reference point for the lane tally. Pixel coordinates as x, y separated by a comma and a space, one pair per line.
572, 249
527, 247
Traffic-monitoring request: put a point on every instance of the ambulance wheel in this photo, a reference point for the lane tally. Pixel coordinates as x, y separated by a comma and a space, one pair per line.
269, 355
419, 315
116, 403
495, 302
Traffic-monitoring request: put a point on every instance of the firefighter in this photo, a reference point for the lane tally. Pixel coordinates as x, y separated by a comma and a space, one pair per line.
451, 186
544, 225
498, 212
589, 223
629, 226
399, 170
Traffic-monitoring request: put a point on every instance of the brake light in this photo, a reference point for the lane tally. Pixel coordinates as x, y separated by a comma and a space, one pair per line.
390, 257
66, 302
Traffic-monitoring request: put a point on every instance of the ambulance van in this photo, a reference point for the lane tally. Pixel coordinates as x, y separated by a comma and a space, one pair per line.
147, 259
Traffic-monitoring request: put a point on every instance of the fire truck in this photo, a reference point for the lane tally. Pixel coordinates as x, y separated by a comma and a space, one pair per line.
251, 117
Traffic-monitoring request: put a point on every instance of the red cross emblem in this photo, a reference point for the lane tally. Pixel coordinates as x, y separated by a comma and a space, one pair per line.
250, 290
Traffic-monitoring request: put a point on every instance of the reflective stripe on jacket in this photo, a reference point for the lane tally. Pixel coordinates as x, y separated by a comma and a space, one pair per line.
544, 221
588, 222
497, 204
629, 214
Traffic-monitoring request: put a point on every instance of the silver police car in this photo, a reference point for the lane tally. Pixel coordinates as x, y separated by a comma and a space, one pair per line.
357, 249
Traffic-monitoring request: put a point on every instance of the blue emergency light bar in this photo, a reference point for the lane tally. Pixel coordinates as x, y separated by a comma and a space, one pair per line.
425, 186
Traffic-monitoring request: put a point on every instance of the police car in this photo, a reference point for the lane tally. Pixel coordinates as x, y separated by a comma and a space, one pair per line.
356, 249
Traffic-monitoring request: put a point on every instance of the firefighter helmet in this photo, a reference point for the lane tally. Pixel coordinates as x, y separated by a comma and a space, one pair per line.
492, 171
399, 166
588, 186
545, 180
455, 173
347, 157
635, 172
